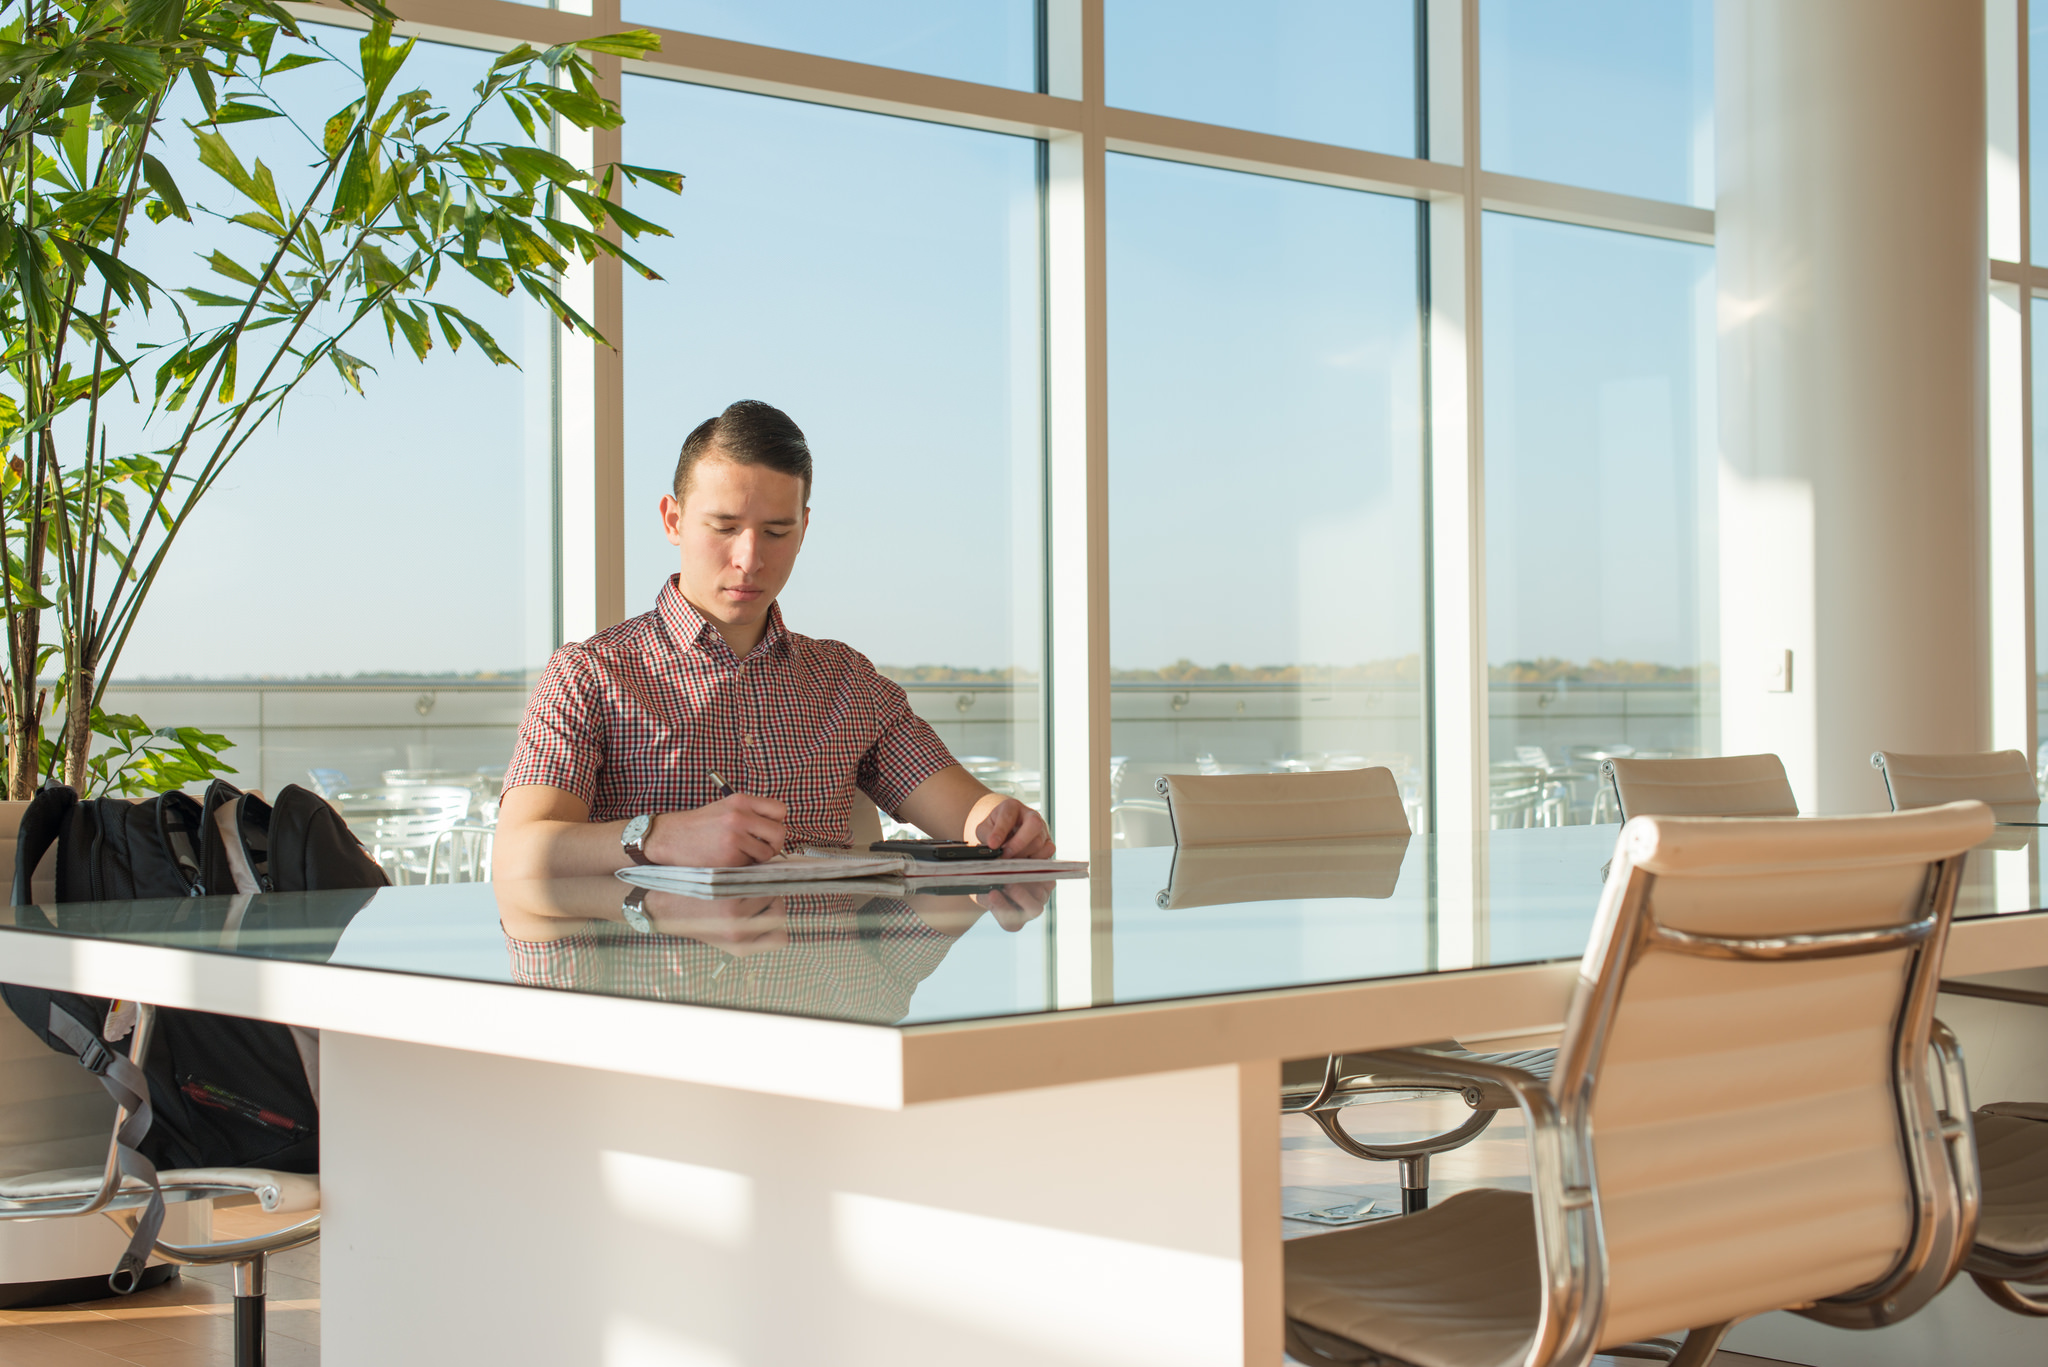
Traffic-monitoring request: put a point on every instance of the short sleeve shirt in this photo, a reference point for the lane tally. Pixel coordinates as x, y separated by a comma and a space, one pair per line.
638, 719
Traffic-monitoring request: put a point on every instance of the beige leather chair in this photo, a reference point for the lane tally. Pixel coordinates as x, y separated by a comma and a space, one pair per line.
1741, 1118
2002, 778
2009, 1260
1731, 785
1240, 809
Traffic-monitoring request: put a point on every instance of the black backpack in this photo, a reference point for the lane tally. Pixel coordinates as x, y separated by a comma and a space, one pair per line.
299, 844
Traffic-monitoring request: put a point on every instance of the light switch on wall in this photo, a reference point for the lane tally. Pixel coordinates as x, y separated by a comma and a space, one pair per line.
1778, 672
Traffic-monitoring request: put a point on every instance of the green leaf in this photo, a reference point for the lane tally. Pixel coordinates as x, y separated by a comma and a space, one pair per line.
293, 61
208, 299
485, 342
585, 111
530, 165
237, 111
351, 367
381, 61
523, 53
335, 136
672, 181
165, 187
632, 43
223, 264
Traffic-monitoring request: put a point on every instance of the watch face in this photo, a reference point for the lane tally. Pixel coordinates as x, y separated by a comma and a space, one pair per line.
636, 831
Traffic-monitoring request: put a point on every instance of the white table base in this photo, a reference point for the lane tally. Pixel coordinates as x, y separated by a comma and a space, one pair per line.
489, 1209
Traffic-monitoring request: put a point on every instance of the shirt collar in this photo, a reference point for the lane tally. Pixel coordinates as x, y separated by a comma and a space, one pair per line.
692, 630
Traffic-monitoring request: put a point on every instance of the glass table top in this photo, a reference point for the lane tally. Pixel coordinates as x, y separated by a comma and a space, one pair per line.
1149, 925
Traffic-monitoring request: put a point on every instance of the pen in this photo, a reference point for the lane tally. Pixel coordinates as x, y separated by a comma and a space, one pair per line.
724, 789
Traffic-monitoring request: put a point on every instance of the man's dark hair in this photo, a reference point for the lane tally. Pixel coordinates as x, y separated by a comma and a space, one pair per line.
750, 433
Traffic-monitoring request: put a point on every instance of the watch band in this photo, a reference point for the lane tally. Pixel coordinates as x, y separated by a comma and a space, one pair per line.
633, 839
630, 909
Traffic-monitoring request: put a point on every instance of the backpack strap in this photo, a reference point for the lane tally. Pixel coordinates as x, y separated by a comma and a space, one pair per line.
41, 824
130, 1089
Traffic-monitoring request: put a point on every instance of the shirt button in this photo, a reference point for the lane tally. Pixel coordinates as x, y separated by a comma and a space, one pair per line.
748, 738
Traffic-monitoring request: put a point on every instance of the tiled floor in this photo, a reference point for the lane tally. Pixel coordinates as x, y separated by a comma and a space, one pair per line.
187, 1322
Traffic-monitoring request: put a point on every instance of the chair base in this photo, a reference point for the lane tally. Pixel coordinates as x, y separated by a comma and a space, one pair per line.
72, 1290
1350, 1213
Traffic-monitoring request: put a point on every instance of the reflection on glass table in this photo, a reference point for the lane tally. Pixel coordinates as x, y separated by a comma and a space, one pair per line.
1172, 926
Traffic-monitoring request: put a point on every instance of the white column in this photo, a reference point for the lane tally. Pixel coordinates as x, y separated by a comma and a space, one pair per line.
1850, 227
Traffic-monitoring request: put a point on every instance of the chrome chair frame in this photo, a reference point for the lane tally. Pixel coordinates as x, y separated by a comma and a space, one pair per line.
124, 1203
1572, 1254
1999, 1275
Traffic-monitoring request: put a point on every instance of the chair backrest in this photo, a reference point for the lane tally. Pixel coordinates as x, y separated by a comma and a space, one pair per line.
328, 782
1238, 809
403, 817
2002, 778
1733, 785
1364, 866
1748, 1043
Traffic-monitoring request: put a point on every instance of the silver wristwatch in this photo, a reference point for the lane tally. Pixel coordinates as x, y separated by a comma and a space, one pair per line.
634, 838
635, 917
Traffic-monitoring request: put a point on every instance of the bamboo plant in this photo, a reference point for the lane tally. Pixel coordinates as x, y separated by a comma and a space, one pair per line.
402, 189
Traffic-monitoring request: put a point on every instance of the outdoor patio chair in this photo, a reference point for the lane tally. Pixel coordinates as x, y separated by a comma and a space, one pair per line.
399, 825
1741, 1118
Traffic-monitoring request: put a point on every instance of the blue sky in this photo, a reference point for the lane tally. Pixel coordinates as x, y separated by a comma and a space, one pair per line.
879, 279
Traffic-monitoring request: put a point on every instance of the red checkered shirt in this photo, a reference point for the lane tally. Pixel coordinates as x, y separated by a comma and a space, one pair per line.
637, 718
848, 958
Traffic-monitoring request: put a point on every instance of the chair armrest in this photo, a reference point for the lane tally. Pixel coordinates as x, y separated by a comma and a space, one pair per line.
1572, 1253
276, 1192
2018, 996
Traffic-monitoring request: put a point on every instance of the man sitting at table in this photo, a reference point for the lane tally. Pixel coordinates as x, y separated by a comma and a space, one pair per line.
629, 737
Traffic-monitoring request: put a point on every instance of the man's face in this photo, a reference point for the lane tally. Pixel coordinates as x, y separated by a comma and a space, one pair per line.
739, 529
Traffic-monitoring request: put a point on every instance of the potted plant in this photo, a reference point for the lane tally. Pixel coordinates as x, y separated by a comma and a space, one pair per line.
403, 190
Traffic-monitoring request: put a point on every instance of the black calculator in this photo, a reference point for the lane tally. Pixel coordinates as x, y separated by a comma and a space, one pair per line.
946, 851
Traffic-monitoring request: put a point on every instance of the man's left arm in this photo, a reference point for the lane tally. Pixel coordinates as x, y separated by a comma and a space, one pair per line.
953, 800
909, 773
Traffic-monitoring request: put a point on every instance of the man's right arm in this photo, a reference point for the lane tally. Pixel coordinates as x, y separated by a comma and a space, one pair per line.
546, 832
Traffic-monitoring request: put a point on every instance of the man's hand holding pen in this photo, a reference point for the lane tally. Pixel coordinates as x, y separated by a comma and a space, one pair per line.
730, 833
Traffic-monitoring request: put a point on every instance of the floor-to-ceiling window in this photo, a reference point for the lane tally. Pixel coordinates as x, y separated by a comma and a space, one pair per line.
1138, 347
1266, 594
1601, 629
879, 280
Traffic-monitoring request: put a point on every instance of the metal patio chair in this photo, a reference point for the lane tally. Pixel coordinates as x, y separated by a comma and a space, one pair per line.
399, 825
1741, 1118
